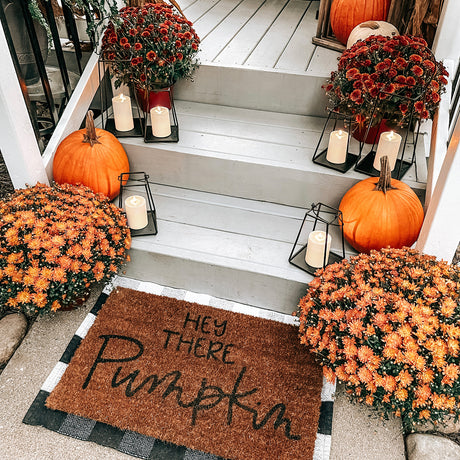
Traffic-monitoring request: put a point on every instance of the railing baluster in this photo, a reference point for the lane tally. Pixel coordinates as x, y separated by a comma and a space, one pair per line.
73, 34
58, 48
39, 61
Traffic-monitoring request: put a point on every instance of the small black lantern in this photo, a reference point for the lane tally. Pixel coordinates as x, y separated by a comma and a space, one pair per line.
398, 144
321, 225
161, 124
139, 183
337, 154
125, 99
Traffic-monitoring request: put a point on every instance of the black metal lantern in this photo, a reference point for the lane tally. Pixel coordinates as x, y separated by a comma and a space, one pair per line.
136, 185
334, 148
313, 248
397, 143
161, 124
120, 111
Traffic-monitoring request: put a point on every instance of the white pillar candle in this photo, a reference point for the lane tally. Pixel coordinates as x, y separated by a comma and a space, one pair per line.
136, 212
122, 113
388, 145
337, 148
161, 126
317, 245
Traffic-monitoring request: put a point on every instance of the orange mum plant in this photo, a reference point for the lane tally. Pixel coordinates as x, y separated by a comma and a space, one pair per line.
387, 325
55, 243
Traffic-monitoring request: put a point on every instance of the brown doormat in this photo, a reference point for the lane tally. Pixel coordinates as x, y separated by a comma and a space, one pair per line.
221, 382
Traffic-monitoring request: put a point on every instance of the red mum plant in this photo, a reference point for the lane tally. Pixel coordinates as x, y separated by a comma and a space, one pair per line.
55, 244
388, 74
387, 325
151, 46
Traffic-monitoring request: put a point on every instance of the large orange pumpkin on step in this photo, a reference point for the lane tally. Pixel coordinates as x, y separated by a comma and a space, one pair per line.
92, 157
380, 212
345, 15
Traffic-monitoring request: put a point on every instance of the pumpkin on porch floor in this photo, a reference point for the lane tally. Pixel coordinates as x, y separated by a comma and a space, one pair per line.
368, 28
380, 212
345, 15
92, 157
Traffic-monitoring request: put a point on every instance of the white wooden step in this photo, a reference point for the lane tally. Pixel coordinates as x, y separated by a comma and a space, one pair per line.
228, 247
247, 153
274, 90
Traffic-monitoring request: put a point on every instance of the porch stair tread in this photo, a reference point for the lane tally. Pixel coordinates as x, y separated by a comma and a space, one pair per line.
248, 153
246, 243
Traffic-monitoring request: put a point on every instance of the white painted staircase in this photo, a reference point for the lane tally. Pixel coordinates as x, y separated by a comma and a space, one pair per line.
230, 199
231, 194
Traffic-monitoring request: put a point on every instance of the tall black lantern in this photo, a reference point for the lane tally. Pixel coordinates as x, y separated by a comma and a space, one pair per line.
335, 146
120, 111
398, 143
136, 184
161, 124
320, 240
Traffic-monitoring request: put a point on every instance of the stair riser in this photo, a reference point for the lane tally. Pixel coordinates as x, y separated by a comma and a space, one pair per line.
255, 89
272, 183
272, 293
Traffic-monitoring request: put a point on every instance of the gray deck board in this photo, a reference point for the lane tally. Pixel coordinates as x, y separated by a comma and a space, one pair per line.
261, 34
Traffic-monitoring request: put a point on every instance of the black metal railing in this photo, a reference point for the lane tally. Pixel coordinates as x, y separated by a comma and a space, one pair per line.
46, 88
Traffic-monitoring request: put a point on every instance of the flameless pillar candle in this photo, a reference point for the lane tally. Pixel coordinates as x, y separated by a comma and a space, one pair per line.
337, 148
161, 126
136, 212
316, 247
388, 145
122, 113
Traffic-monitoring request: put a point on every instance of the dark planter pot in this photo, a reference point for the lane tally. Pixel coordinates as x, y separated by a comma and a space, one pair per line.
149, 99
21, 40
373, 135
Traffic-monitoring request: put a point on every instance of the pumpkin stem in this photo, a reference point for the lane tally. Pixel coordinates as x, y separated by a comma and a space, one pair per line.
373, 25
90, 136
384, 182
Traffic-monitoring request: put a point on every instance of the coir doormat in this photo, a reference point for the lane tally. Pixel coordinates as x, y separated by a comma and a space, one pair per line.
162, 370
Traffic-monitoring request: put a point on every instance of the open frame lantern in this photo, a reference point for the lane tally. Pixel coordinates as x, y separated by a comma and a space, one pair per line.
137, 184
120, 111
399, 144
161, 123
321, 226
334, 148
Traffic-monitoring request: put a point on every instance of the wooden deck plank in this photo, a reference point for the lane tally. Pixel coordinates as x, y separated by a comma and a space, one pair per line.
248, 149
184, 4
213, 17
200, 7
272, 45
218, 39
262, 133
249, 117
299, 50
239, 49
323, 62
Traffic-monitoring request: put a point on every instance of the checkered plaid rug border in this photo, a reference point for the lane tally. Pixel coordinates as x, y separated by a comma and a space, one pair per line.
135, 444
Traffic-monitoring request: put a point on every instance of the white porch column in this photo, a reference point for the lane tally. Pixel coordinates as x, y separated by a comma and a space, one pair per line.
447, 39
17, 139
440, 234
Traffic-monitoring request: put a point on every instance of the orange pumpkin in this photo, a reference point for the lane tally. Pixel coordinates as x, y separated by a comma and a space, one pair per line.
92, 157
380, 212
345, 15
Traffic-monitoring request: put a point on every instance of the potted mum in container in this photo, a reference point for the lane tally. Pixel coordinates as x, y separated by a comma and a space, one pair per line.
55, 244
386, 324
151, 47
387, 80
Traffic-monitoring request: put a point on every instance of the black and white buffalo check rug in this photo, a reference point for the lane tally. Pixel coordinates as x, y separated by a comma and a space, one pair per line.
135, 444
